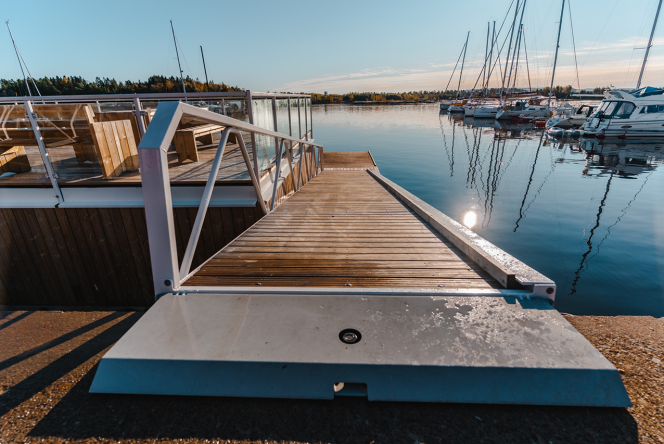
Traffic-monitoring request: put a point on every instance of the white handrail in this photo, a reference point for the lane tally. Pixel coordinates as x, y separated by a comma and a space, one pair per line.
152, 96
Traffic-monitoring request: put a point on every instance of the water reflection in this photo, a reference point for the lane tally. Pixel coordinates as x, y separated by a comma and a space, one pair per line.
584, 213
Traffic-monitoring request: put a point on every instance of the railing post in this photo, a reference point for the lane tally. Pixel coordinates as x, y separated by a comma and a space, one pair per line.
306, 121
276, 176
276, 126
311, 116
290, 126
254, 148
156, 186
32, 116
139, 115
299, 121
202, 209
223, 107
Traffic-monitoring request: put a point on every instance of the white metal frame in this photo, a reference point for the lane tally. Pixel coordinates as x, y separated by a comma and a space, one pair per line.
247, 95
168, 276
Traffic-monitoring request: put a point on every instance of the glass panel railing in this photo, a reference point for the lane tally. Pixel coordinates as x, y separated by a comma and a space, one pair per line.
20, 159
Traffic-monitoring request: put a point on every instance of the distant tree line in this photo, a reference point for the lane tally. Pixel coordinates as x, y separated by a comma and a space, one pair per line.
75, 85
560, 92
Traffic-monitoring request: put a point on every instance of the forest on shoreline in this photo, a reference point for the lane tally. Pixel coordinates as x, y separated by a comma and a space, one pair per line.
76, 85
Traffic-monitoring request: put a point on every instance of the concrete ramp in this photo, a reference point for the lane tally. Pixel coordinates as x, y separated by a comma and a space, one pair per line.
466, 349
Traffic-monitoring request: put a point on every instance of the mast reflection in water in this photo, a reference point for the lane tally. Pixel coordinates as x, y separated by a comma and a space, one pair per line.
588, 215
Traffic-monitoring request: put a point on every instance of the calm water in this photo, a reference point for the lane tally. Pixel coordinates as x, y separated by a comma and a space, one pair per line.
588, 216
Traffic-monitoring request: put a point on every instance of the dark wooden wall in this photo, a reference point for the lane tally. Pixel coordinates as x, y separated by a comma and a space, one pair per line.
97, 256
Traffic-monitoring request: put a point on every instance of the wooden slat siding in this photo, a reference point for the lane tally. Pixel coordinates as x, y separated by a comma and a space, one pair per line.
89, 251
95, 257
20, 270
28, 271
114, 228
51, 230
238, 219
142, 233
144, 275
96, 244
342, 228
227, 221
38, 250
184, 227
63, 269
78, 252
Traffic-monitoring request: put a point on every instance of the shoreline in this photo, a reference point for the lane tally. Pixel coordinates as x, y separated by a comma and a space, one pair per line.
49, 358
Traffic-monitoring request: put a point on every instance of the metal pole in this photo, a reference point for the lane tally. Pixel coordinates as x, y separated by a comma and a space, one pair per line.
202, 209
555, 59
207, 83
178, 56
276, 127
299, 120
645, 58
306, 121
509, 48
139, 115
19, 59
254, 148
518, 53
223, 107
32, 116
290, 126
486, 54
493, 41
518, 36
465, 47
311, 117
277, 174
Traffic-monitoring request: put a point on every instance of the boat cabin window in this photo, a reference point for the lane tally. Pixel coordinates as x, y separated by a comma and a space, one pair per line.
624, 110
617, 110
651, 109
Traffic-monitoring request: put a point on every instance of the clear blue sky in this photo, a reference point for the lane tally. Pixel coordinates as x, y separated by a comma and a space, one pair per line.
318, 46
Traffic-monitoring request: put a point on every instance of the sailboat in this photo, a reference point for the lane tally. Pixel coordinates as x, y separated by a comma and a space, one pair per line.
637, 114
457, 105
532, 108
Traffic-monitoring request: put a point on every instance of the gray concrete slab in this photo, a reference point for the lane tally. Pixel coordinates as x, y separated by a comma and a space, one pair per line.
413, 348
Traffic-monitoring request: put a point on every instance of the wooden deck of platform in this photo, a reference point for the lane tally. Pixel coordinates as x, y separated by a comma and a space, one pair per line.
72, 173
342, 229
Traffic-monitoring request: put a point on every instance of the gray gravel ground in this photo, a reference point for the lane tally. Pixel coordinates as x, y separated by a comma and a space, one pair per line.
48, 360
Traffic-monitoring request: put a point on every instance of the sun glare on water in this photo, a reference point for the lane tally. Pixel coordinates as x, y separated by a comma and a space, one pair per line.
470, 219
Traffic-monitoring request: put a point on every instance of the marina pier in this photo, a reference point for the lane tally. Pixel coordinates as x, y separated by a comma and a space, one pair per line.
298, 274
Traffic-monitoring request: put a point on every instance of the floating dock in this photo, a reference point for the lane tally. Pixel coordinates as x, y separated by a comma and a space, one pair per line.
342, 284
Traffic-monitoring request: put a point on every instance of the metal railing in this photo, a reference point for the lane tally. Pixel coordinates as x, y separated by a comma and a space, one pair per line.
136, 101
168, 276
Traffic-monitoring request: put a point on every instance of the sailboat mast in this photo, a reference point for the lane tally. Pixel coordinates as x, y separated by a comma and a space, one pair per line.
178, 56
555, 59
207, 83
488, 76
518, 54
515, 54
465, 47
652, 33
486, 54
19, 59
509, 48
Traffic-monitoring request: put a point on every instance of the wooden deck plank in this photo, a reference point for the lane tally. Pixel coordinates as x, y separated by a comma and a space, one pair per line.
342, 228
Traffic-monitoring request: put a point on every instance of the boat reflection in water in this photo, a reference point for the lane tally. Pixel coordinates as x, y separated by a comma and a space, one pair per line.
582, 195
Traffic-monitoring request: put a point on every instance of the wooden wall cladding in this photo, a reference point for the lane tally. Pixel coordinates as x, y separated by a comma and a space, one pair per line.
97, 256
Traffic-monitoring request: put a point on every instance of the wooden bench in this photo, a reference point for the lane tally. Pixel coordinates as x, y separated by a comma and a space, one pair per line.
112, 116
112, 141
185, 140
14, 160
115, 146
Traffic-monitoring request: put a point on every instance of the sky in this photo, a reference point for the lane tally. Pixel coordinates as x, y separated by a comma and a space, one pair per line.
338, 47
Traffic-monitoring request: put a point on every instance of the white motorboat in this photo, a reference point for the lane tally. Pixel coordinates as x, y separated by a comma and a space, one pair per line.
570, 117
628, 115
531, 109
444, 105
458, 106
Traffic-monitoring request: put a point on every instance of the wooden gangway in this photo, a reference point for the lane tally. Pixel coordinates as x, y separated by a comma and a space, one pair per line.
344, 228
